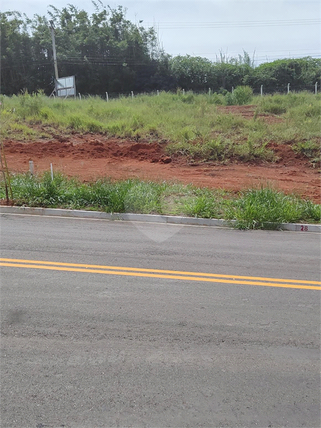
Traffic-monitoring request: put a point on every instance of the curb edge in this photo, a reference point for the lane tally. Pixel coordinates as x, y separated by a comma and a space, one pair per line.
151, 218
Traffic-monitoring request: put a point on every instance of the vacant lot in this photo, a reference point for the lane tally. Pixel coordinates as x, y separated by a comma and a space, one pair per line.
274, 141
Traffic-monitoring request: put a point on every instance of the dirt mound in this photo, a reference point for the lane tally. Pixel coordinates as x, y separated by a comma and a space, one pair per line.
89, 157
286, 156
94, 148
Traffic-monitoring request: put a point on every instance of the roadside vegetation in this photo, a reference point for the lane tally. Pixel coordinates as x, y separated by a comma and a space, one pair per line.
191, 125
261, 208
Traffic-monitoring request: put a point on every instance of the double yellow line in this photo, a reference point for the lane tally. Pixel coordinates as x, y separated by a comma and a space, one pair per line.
157, 273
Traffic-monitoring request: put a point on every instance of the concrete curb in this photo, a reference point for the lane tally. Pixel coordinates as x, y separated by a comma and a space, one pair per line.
150, 218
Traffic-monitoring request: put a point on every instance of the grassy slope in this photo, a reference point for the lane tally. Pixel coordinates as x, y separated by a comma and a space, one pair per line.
190, 123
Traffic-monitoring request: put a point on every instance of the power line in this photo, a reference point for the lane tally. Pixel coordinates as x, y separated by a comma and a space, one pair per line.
286, 51
119, 64
174, 25
263, 54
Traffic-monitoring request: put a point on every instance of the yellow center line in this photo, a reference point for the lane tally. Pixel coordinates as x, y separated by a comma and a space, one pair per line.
174, 274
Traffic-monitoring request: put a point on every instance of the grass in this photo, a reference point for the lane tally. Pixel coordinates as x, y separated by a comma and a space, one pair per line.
262, 208
192, 124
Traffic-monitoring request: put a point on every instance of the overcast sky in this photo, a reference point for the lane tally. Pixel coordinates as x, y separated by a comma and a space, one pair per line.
266, 29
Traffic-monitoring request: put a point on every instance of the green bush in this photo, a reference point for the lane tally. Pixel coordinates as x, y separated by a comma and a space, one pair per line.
242, 95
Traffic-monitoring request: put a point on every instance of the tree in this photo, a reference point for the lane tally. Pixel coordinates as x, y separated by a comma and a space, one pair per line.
105, 51
301, 73
109, 53
191, 72
16, 51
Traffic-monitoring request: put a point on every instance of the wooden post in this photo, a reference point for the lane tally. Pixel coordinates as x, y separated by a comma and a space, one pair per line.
54, 49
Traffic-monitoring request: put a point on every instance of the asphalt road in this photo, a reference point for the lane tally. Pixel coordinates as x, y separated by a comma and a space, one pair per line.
95, 333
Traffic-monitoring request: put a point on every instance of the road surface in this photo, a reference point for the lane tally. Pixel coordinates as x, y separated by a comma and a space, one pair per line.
109, 324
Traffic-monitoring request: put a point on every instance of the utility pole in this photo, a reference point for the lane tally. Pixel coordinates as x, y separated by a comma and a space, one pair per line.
54, 49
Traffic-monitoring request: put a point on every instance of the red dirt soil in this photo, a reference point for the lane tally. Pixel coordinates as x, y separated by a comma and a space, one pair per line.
90, 157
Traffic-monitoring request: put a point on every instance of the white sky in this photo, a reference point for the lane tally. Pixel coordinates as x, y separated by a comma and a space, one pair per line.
266, 29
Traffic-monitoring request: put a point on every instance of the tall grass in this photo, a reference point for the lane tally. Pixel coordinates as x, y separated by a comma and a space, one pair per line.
193, 125
265, 209
253, 209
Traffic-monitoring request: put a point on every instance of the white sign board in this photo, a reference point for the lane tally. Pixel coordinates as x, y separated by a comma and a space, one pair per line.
66, 86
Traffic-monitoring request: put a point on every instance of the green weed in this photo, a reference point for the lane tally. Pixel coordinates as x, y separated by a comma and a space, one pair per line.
30, 105
265, 209
253, 151
262, 208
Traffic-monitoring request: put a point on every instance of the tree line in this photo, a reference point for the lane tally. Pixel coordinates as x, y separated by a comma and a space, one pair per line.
108, 53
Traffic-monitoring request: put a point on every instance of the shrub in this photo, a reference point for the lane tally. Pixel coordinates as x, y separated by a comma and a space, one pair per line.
242, 95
